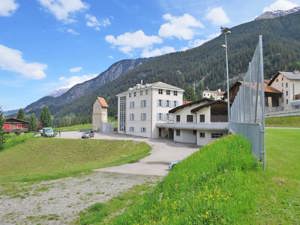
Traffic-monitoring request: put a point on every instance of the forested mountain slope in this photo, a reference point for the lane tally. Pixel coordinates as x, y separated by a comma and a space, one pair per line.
204, 65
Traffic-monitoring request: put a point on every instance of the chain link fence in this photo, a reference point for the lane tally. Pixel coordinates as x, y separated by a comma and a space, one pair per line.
247, 110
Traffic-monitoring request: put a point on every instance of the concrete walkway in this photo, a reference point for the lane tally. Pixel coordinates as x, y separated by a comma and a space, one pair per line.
156, 164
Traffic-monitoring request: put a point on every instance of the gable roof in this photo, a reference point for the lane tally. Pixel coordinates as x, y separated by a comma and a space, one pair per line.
14, 120
221, 102
289, 75
102, 102
190, 104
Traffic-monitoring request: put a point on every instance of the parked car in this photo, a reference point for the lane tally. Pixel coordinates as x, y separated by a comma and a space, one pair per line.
48, 132
88, 134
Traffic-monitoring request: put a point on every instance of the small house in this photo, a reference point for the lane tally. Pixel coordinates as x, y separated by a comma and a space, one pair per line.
12, 125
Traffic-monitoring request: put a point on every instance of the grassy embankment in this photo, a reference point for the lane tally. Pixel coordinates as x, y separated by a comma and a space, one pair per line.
221, 184
42, 159
289, 121
13, 139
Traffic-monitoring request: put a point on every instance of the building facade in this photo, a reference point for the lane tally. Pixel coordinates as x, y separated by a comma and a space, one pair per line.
216, 95
141, 107
99, 118
12, 125
198, 122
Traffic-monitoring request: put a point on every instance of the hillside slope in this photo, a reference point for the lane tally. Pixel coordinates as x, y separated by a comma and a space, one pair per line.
204, 64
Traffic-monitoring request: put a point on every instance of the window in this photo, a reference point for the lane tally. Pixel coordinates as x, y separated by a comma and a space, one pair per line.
189, 118
177, 118
216, 135
177, 132
143, 129
175, 104
168, 92
160, 116
160, 103
143, 116
167, 103
287, 101
167, 116
202, 118
141, 92
134, 94
276, 80
286, 93
143, 103
175, 93
131, 129
194, 132
160, 91
146, 92
286, 85
131, 105
129, 95
131, 117
202, 134
282, 85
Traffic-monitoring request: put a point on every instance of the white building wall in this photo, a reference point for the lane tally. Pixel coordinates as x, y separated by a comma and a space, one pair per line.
186, 136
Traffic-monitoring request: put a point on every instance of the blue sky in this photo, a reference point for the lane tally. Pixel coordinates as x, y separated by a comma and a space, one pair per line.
46, 45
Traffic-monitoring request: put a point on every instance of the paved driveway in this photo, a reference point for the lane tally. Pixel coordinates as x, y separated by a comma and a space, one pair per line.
163, 152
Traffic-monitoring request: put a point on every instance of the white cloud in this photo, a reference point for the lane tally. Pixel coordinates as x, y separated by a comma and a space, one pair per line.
217, 16
12, 60
110, 57
92, 21
198, 42
75, 69
128, 42
64, 10
280, 5
68, 82
157, 51
71, 31
8, 7
182, 27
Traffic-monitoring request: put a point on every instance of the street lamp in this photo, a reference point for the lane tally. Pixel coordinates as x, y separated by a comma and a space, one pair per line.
227, 31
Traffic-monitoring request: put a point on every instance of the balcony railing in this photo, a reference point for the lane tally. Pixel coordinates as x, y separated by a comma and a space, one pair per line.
195, 126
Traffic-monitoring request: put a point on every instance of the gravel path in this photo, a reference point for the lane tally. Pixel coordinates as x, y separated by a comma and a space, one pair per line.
61, 200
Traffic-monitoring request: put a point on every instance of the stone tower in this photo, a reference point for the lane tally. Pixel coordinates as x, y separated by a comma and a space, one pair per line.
99, 114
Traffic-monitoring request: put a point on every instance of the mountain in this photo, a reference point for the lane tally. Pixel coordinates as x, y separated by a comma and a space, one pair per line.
10, 113
59, 92
277, 13
203, 66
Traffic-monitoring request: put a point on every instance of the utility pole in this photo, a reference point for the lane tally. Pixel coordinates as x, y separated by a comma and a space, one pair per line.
227, 31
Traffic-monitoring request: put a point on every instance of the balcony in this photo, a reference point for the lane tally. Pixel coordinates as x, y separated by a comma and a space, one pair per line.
194, 126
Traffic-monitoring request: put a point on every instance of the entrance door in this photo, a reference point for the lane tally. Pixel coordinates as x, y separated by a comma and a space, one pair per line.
159, 132
171, 134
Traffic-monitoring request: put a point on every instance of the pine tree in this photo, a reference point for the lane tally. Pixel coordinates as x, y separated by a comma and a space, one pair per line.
45, 117
32, 122
21, 114
2, 139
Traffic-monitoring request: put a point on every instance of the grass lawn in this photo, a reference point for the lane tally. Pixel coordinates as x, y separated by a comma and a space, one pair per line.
78, 127
41, 158
13, 139
289, 121
221, 184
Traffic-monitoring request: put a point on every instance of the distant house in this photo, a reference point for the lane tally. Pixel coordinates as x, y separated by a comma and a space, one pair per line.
216, 95
12, 125
282, 92
99, 114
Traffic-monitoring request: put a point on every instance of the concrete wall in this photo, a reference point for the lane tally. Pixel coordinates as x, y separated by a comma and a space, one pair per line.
186, 136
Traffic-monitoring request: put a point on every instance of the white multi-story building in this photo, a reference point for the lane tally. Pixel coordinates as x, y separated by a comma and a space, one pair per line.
141, 107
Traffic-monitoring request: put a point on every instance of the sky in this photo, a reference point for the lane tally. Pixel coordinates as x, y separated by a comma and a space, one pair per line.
48, 45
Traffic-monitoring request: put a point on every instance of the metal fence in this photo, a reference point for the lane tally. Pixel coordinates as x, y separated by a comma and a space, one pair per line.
247, 110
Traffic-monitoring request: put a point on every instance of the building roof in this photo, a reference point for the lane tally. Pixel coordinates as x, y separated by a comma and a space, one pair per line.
14, 120
203, 100
102, 102
289, 75
220, 102
165, 86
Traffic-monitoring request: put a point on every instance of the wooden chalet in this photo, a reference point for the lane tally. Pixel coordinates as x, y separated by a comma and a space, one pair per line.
12, 125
